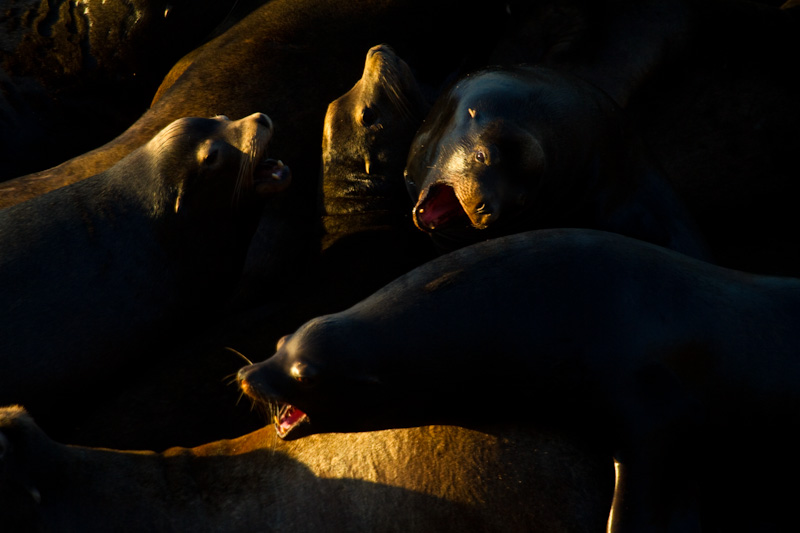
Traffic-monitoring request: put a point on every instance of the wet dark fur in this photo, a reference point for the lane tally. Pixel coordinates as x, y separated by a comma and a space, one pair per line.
75, 74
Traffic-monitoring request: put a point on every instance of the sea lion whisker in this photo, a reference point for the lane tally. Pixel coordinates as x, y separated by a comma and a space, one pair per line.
239, 177
240, 354
230, 379
239, 399
245, 167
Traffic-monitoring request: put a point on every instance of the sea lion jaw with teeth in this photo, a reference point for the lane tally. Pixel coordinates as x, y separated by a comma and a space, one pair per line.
480, 169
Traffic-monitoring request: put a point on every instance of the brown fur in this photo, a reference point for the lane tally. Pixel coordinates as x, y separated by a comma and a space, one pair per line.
423, 479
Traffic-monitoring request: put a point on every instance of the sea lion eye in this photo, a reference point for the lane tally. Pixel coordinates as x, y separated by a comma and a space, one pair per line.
302, 373
211, 156
480, 156
368, 117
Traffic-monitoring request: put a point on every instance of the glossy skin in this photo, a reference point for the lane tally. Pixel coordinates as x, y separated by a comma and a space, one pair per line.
514, 149
76, 74
254, 66
368, 237
97, 274
423, 479
675, 367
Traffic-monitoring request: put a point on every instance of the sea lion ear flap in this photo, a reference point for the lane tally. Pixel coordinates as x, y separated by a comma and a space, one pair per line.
531, 155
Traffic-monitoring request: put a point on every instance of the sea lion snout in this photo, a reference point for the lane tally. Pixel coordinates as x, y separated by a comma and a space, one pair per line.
262, 119
482, 213
257, 125
255, 383
380, 49
437, 207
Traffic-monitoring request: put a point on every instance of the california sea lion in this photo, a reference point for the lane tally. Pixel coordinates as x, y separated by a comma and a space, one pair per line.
422, 479
74, 74
96, 274
681, 370
521, 148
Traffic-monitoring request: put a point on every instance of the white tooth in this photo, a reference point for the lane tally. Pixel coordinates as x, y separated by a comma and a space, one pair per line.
275, 176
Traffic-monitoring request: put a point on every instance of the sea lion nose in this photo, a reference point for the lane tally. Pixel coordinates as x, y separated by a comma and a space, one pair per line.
241, 377
261, 119
482, 214
380, 48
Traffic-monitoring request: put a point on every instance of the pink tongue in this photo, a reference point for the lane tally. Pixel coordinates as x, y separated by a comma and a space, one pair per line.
271, 176
288, 418
437, 208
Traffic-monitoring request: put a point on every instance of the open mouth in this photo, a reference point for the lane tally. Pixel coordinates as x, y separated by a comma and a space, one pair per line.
439, 208
291, 422
271, 175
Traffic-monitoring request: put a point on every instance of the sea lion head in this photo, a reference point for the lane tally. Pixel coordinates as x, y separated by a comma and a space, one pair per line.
210, 164
467, 165
312, 375
505, 148
364, 127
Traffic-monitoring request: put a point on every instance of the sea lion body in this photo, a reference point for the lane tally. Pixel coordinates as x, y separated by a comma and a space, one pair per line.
720, 117
421, 479
93, 274
678, 368
76, 74
520, 148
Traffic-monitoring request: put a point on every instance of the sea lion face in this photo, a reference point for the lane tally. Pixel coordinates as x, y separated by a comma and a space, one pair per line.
207, 164
513, 149
474, 163
364, 127
310, 377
